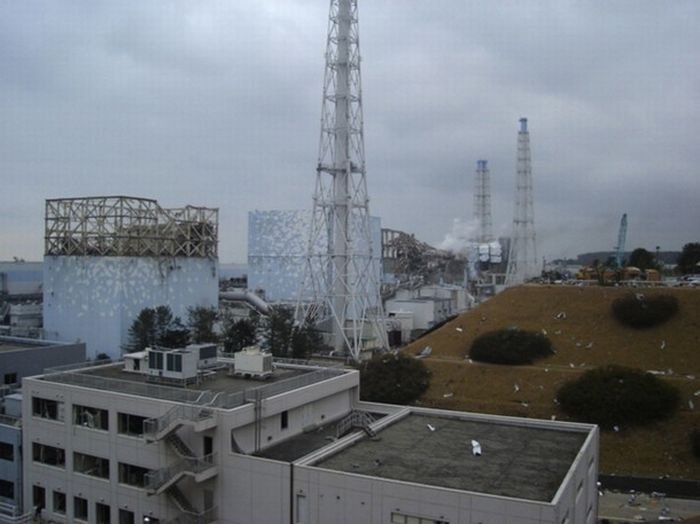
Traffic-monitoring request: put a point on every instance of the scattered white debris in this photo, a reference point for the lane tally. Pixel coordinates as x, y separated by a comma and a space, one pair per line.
697, 393
561, 315
555, 400
524, 404
459, 329
571, 365
483, 318
578, 344
546, 370
691, 404
425, 352
589, 345
544, 332
557, 332
470, 361
655, 372
476, 448
541, 386
448, 395
553, 417
690, 377
640, 296
616, 429
430, 427
516, 388
663, 345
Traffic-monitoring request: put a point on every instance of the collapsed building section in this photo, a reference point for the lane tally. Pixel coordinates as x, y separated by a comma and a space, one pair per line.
106, 258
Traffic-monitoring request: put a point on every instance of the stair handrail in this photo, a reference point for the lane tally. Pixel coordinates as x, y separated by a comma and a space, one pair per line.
184, 465
153, 426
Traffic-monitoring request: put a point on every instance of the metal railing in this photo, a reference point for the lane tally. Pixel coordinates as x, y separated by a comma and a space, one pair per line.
126, 387
9, 420
181, 412
205, 517
355, 419
283, 386
184, 466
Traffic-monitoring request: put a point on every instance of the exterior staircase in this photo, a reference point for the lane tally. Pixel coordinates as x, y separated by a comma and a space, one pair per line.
356, 419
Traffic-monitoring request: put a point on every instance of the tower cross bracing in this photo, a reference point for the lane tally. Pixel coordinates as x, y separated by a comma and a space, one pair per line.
522, 256
482, 203
340, 291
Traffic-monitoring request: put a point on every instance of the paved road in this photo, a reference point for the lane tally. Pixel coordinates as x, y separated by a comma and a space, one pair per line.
626, 507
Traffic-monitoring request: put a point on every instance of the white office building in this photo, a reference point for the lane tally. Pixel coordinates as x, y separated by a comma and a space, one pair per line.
155, 443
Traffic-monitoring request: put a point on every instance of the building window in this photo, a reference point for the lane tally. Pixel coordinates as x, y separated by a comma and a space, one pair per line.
400, 518
59, 502
7, 451
102, 513
91, 465
174, 362
48, 455
130, 424
284, 420
10, 379
80, 508
39, 496
88, 417
46, 408
126, 517
7, 489
132, 475
155, 360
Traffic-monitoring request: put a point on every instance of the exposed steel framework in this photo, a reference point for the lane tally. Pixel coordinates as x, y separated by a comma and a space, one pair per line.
522, 256
340, 292
128, 226
482, 203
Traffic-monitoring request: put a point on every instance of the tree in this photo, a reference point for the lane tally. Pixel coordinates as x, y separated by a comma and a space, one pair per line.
201, 322
304, 341
618, 396
277, 328
239, 333
393, 378
689, 258
157, 327
643, 259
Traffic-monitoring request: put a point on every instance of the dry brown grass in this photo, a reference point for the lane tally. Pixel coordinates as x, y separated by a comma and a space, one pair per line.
588, 337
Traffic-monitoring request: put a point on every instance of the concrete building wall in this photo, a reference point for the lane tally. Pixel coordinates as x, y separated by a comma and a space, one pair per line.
11, 467
37, 355
277, 247
95, 299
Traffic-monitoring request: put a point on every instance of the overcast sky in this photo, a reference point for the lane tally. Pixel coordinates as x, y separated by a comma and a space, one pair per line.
217, 103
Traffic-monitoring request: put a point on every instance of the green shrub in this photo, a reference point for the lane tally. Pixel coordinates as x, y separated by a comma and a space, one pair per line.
393, 378
639, 311
617, 396
695, 442
510, 346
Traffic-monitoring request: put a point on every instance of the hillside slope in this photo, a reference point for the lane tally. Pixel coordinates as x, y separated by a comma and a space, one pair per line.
579, 323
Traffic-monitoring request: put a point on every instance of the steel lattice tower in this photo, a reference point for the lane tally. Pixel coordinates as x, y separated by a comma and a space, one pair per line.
522, 255
482, 202
340, 292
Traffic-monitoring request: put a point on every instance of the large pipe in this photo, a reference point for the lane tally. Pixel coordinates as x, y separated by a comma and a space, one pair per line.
249, 297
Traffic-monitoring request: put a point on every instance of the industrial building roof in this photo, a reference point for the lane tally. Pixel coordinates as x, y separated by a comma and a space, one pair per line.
12, 344
213, 382
520, 461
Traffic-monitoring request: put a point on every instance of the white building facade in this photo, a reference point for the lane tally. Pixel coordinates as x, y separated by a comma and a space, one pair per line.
104, 445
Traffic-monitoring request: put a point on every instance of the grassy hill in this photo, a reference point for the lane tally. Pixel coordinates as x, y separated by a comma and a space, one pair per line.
579, 323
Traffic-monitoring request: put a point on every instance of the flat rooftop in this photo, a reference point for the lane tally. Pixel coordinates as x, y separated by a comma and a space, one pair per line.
517, 461
11, 345
114, 378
